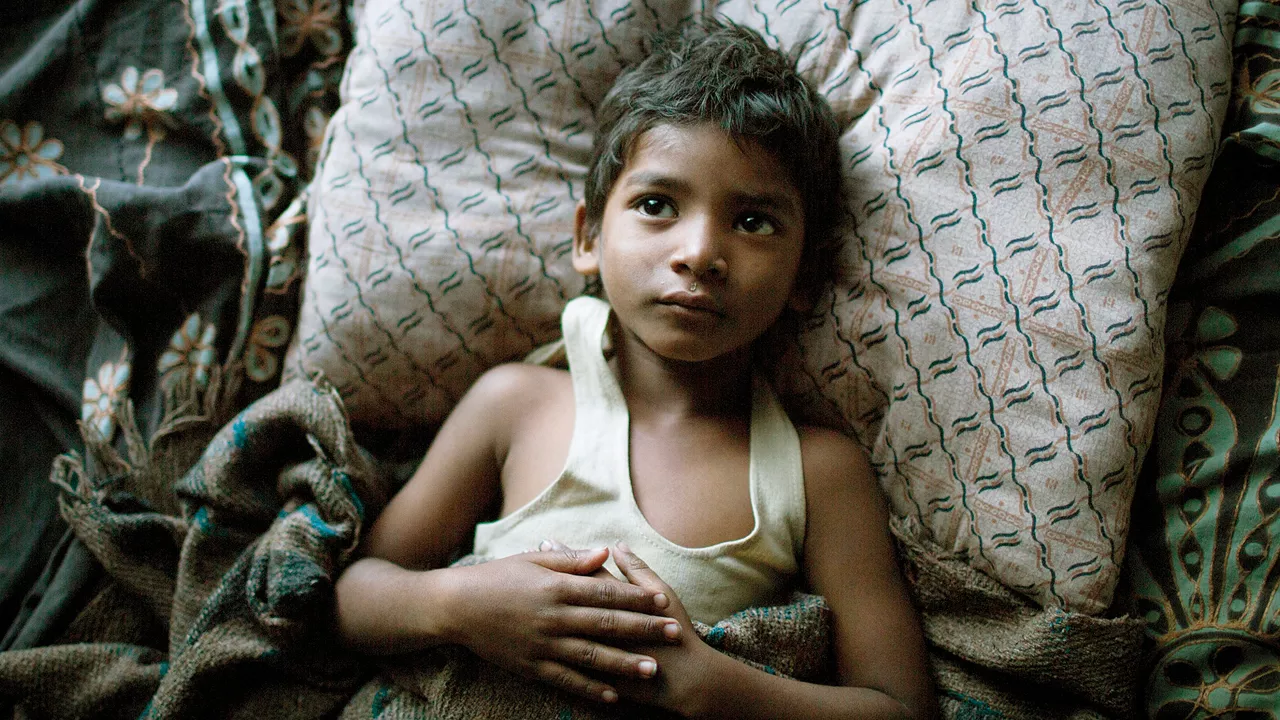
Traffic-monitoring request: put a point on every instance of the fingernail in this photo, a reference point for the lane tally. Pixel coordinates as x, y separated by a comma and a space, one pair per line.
648, 668
671, 630
624, 547
660, 600
609, 696
544, 545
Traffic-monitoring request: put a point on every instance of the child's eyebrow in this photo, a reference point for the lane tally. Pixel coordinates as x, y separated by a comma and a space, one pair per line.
643, 179
775, 201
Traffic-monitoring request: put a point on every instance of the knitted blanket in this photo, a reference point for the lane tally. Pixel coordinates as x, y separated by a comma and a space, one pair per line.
221, 542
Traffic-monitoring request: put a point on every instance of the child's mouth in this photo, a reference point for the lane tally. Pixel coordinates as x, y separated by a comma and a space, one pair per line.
693, 302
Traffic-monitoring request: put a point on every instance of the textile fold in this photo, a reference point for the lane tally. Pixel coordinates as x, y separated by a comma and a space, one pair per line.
222, 537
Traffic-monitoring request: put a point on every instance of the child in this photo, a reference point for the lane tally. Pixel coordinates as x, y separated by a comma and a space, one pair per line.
715, 174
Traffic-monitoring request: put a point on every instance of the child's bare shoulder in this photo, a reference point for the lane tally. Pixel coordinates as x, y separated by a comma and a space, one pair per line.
844, 508
528, 409
517, 381
835, 465
513, 397
518, 389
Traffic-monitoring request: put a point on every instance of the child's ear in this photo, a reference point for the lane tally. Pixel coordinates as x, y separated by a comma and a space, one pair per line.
586, 243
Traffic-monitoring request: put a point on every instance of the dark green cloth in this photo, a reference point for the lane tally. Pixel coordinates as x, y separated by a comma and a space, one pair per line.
140, 171
1204, 561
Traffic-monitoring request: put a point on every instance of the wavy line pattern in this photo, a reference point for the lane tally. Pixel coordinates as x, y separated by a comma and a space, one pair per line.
1021, 180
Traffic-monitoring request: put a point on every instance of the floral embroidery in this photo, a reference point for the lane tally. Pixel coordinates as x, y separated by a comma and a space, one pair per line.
26, 152
283, 245
266, 125
1264, 96
315, 20
103, 396
190, 354
270, 332
141, 103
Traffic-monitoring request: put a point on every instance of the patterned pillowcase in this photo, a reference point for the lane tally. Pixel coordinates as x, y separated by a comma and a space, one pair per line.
1022, 180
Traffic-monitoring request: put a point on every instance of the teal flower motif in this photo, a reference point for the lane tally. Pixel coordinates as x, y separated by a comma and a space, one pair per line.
261, 364
1264, 96
190, 354
140, 102
26, 153
1227, 676
1221, 361
103, 397
283, 242
314, 20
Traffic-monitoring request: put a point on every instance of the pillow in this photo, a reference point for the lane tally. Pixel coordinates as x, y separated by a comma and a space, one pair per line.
1021, 182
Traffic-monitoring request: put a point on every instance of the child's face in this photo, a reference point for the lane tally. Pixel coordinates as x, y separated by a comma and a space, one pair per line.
699, 244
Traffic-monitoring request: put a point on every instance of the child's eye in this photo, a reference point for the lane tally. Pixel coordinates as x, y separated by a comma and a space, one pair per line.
655, 207
756, 224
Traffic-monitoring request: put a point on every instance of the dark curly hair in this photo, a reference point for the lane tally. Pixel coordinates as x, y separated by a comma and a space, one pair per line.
719, 72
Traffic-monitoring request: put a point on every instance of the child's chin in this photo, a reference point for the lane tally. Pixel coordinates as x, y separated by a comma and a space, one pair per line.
697, 351
688, 357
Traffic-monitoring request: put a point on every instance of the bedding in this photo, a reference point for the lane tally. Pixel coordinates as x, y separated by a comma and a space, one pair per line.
1204, 568
219, 607
146, 165
107, 172
1021, 181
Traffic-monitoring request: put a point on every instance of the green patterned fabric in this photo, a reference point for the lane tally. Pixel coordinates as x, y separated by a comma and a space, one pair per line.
149, 154
1204, 563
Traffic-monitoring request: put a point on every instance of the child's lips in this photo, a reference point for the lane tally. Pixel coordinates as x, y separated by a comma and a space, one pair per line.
698, 302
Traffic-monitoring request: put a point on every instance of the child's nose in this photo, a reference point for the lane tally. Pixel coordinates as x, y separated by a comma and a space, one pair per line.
698, 249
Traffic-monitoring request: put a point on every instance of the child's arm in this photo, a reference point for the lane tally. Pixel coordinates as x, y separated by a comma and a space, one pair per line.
849, 559
538, 614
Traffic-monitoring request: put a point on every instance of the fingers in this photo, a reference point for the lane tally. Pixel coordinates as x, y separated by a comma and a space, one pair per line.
546, 545
588, 655
602, 572
620, 625
568, 560
639, 573
570, 680
575, 654
602, 593
637, 570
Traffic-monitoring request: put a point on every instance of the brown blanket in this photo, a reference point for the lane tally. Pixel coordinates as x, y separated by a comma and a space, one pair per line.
221, 546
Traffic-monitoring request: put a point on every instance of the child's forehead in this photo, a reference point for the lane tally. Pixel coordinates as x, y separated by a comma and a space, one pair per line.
705, 152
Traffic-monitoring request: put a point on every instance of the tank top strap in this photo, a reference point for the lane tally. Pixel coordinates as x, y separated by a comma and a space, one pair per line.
777, 473
598, 452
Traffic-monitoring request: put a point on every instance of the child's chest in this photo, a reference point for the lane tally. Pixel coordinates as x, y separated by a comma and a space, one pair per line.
692, 483
689, 480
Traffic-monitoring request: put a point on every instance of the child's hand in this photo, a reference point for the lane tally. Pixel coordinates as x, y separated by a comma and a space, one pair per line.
540, 614
601, 572
684, 666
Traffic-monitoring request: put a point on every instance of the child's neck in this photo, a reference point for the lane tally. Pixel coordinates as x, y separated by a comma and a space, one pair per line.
661, 390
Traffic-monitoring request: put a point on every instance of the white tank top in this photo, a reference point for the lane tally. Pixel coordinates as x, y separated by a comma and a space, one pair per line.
591, 504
